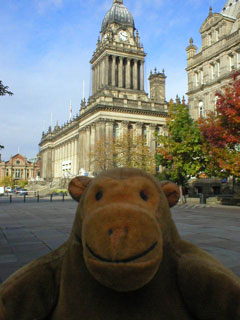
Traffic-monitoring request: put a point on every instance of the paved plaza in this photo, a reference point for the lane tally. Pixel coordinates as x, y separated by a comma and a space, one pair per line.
30, 230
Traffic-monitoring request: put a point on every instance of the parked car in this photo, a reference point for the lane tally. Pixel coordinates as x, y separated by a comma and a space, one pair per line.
17, 190
8, 189
23, 192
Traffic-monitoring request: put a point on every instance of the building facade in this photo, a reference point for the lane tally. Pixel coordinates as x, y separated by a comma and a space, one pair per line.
212, 67
118, 101
19, 168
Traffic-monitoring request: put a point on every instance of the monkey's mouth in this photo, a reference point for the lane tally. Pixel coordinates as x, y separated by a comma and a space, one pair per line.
126, 260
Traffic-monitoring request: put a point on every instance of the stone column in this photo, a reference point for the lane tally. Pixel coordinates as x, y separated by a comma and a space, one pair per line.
57, 161
74, 157
93, 81
68, 150
142, 76
120, 72
109, 130
139, 126
78, 146
135, 75
109, 139
128, 74
88, 150
97, 77
81, 149
92, 146
106, 70
101, 73
124, 128
113, 71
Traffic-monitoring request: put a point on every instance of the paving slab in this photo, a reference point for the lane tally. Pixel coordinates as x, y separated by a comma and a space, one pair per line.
30, 230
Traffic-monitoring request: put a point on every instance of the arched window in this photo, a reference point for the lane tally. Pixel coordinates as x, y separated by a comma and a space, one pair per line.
201, 109
209, 39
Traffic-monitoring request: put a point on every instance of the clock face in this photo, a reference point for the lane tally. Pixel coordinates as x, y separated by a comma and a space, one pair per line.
123, 35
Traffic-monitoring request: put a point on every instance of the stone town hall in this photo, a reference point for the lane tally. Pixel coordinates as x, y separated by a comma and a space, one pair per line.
118, 102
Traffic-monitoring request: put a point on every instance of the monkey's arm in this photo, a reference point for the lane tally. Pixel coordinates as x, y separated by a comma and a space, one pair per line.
32, 291
209, 290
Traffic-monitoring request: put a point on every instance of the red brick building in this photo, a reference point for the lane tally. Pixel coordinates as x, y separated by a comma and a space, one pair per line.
18, 167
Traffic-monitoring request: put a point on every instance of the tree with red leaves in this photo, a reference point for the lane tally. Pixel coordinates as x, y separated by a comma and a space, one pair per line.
221, 130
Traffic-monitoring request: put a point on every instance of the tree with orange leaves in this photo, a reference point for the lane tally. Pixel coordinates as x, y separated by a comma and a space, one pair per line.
221, 129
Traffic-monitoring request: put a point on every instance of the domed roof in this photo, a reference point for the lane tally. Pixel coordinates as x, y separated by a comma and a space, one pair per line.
119, 14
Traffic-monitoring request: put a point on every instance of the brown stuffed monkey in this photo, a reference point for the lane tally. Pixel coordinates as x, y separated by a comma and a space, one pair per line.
124, 260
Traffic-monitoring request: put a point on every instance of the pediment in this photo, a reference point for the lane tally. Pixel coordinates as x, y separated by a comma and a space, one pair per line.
211, 21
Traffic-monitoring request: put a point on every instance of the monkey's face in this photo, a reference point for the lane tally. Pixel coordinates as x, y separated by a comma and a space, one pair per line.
121, 237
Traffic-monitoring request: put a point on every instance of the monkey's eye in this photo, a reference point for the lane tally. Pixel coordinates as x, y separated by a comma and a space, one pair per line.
99, 195
143, 195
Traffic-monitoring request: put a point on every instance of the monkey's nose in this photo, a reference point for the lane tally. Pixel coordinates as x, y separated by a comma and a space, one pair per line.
117, 235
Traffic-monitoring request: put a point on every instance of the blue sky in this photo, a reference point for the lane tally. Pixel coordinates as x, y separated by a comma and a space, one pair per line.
46, 46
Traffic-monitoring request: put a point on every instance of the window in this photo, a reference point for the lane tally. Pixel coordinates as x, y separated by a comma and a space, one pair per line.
130, 129
201, 76
196, 79
217, 35
17, 175
144, 134
17, 162
218, 68
238, 60
201, 109
209, 39
212, 71
116, 131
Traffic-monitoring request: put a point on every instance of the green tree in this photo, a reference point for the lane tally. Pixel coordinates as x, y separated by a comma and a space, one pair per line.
4, 90
180, 150
22, 183
7, 182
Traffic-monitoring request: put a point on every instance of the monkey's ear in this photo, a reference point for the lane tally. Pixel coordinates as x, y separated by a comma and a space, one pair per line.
171, 191
77, 186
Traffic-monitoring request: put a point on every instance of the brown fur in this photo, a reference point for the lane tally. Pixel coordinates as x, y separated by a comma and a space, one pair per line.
124, 260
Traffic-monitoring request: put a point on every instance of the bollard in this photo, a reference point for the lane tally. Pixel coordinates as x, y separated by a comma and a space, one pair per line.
63, 197
202, 198
38, 197
51, 196
24, 198
10, 198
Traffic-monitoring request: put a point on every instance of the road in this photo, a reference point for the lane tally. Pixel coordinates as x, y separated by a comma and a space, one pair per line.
30, 230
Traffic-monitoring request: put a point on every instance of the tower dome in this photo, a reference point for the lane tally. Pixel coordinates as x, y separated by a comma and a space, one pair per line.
119, 14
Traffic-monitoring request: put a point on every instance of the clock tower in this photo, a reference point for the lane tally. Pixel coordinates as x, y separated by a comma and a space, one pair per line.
118, 102
118, 62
